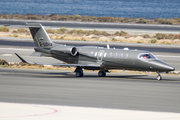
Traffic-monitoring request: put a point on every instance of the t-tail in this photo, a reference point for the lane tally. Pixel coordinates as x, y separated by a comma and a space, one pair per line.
40, 36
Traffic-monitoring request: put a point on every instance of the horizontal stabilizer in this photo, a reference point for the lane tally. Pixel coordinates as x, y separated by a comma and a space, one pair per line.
38, 25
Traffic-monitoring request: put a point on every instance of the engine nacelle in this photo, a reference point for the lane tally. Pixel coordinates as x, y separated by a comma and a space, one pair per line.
66, 50
73, 51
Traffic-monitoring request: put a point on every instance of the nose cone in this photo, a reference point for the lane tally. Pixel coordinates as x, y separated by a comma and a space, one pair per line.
169, 68
162, 66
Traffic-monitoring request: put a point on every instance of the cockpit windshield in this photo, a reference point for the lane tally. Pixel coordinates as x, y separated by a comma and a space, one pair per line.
146, 56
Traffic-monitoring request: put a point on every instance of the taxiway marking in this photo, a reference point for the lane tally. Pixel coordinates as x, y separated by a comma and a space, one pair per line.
22, 108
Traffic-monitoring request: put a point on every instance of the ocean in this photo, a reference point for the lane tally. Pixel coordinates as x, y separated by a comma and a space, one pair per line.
149, 9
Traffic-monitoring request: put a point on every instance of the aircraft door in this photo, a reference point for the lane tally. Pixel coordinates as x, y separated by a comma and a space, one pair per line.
100, 55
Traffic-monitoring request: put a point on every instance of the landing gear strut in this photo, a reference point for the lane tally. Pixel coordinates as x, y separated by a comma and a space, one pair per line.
79, 72
159, 76
102, 73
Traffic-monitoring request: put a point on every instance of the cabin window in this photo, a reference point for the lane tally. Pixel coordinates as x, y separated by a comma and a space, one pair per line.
91, 54
115, 55
95, 54
126, 56
105, 54
121, 55
146, 56
110, 54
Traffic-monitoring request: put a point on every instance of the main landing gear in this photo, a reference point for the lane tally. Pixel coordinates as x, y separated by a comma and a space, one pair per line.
159, 76
102, 73
79, 72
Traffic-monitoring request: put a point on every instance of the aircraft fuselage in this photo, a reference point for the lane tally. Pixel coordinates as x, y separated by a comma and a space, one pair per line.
114, 59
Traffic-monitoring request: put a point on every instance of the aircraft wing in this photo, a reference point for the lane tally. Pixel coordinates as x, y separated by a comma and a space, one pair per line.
68, 65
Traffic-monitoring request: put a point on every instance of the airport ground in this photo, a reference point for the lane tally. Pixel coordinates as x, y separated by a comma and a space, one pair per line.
111, 27
117, 96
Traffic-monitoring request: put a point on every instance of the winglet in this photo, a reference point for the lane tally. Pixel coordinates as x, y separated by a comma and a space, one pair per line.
24, 61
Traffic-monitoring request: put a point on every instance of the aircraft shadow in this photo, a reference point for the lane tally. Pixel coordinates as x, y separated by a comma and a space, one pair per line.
93, 76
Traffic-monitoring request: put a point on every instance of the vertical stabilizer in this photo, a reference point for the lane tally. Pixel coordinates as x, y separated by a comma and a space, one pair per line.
40, 36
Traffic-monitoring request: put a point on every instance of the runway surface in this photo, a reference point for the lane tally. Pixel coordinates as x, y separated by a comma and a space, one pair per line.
38, 93
138, 28
116, 91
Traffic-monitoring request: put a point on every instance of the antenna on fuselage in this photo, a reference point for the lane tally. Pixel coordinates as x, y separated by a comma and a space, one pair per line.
108, 47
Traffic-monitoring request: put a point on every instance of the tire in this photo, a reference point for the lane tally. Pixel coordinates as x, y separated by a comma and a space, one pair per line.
159, 77
82, 74
101, 74
79, 74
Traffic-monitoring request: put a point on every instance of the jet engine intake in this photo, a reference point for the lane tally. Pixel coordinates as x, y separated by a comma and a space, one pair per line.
74, 51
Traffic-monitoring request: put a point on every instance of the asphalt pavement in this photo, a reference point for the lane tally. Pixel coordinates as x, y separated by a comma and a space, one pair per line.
117, 90
107, 26
122, 91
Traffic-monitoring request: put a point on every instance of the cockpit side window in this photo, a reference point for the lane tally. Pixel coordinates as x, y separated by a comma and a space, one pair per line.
146, 56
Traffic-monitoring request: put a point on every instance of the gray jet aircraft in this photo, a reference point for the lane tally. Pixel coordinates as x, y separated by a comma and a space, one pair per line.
94, 57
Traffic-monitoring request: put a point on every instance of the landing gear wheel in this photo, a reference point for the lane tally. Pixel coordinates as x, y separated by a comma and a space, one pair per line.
159, 77
101, 73
79, 74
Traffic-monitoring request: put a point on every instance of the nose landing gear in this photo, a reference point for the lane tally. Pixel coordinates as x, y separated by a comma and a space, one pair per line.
159, 76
